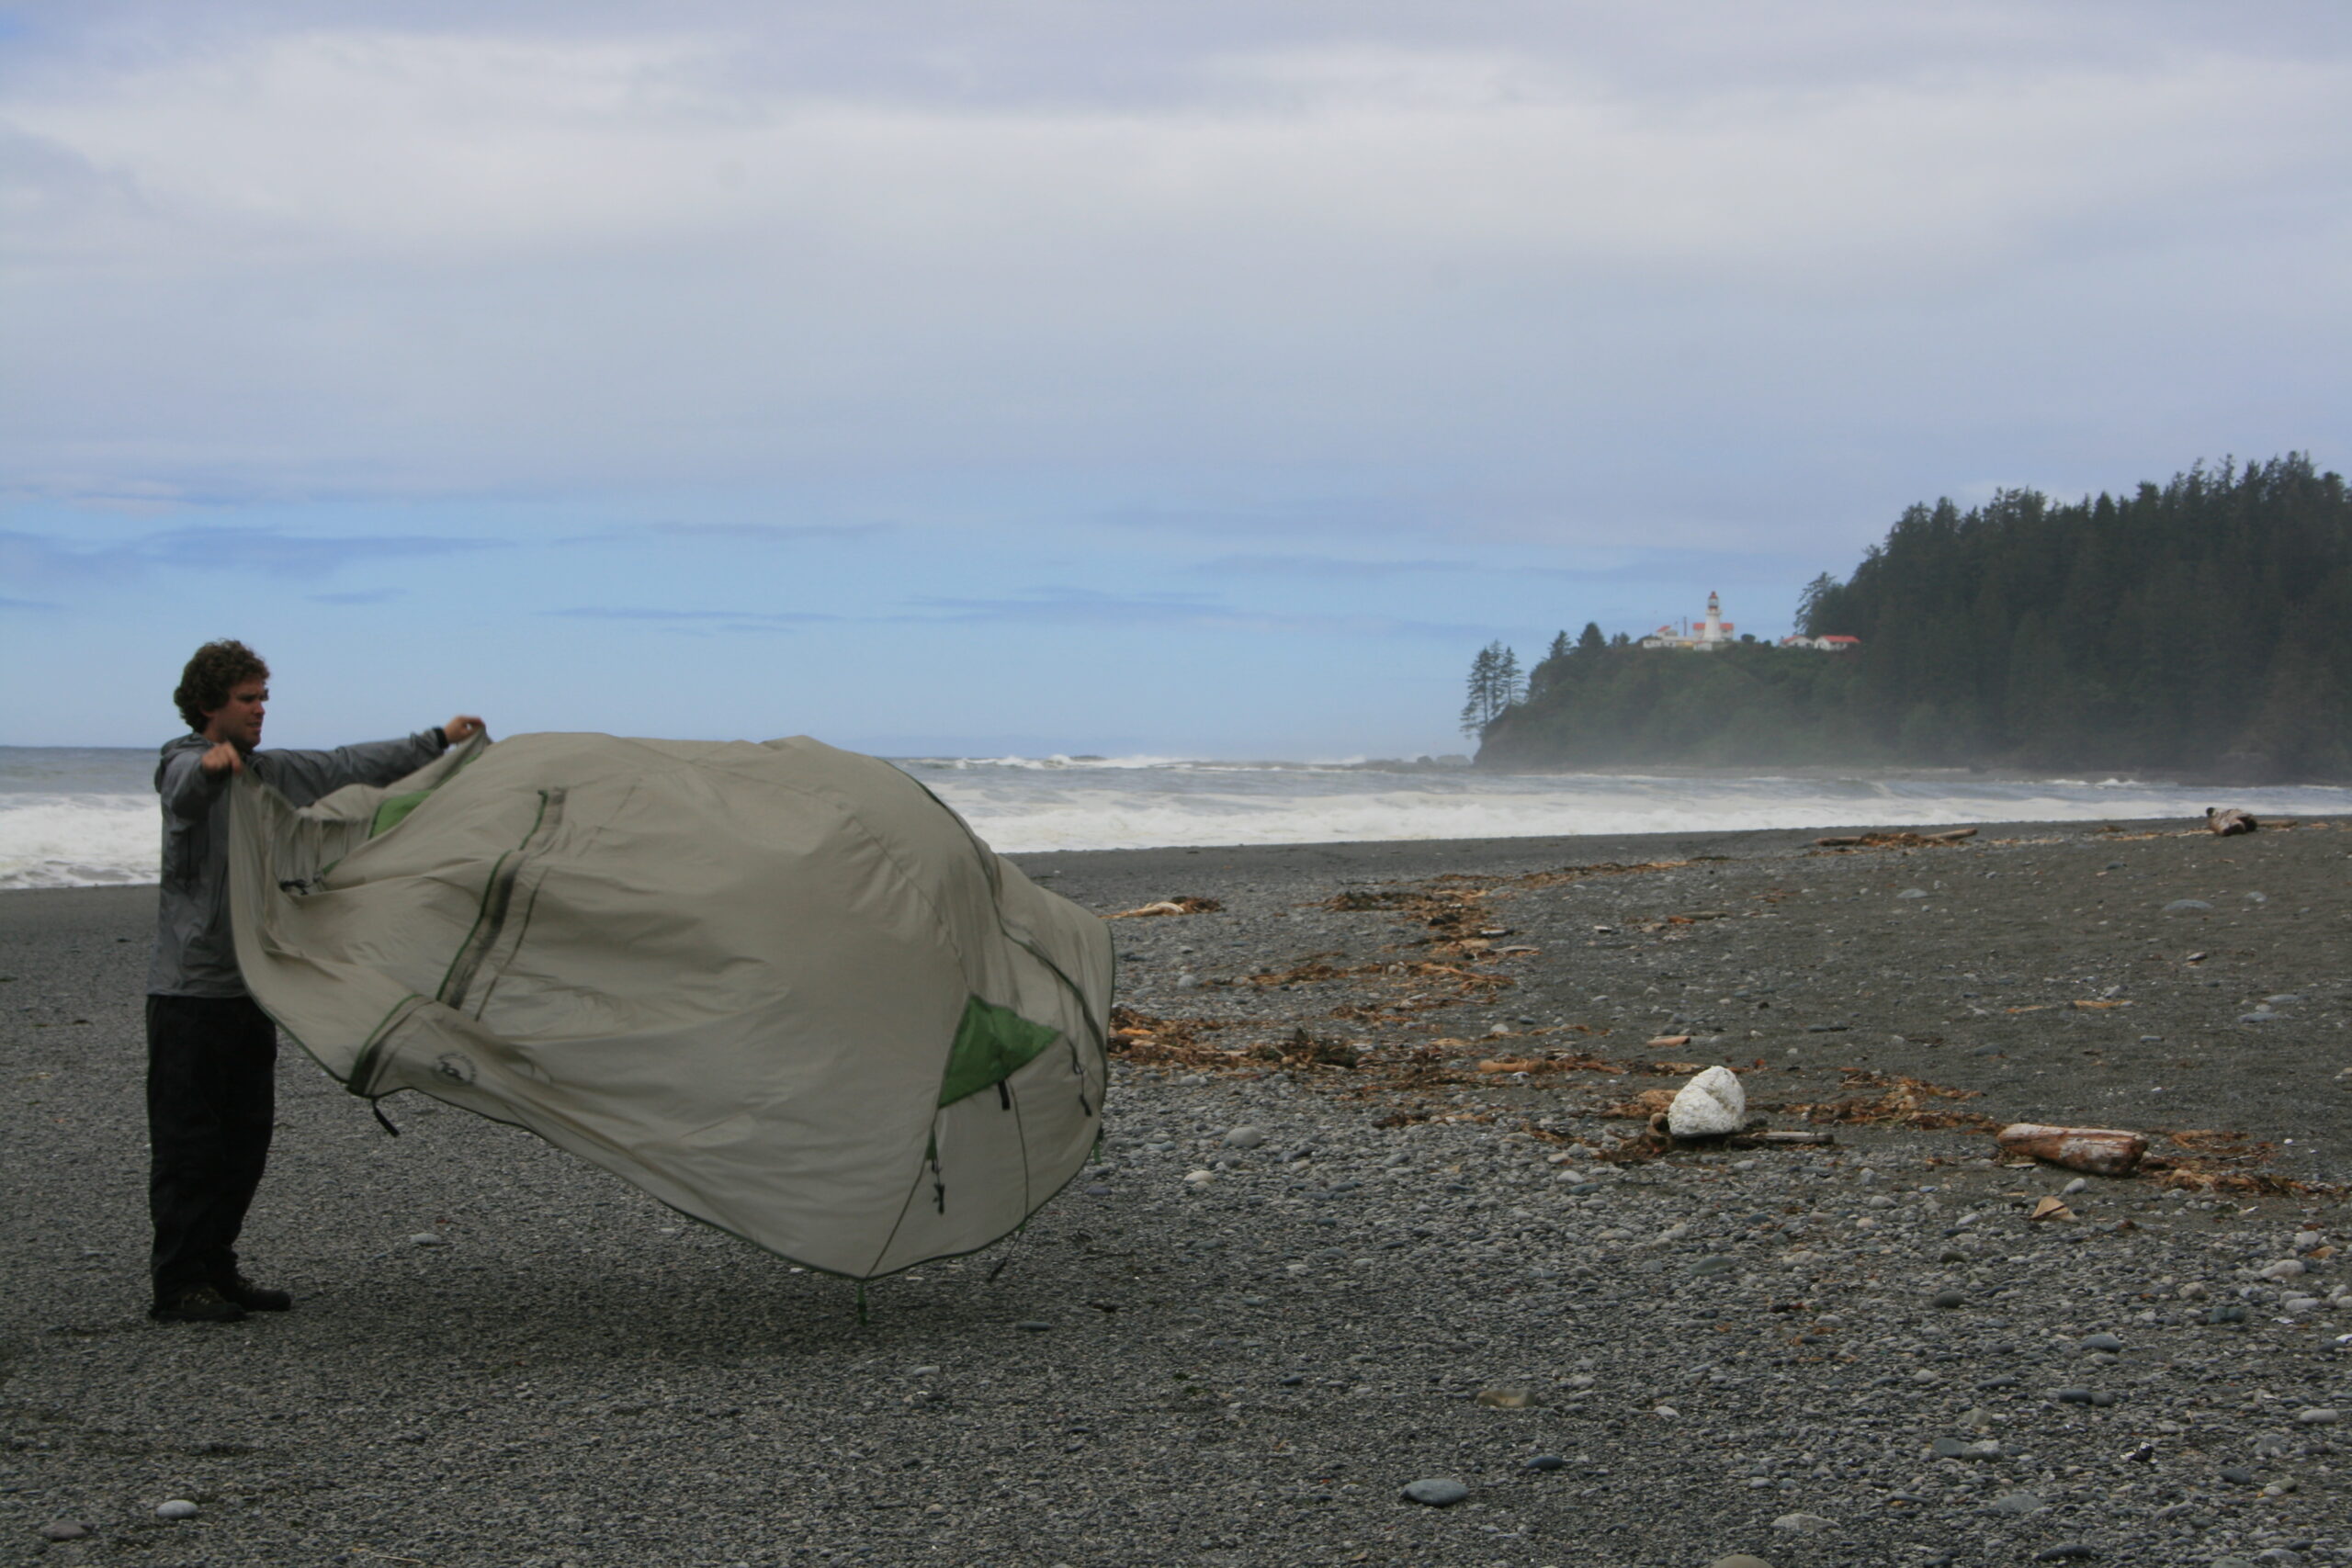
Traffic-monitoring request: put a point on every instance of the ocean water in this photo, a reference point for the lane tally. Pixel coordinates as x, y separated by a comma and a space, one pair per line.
86, 817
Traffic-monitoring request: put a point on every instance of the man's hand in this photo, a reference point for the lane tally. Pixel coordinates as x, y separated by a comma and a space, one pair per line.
465, 727
224, 758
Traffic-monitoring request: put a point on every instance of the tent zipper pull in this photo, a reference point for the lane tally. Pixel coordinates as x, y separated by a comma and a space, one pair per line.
376, 1106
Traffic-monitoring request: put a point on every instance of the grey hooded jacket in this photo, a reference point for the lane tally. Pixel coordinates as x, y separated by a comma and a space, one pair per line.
194, 953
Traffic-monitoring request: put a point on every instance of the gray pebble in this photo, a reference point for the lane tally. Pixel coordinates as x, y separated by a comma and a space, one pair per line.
1803, 1524
1546, 1461
1245, 1137
177, 1509
1948, 1299
1436, 1492
1739, 1560
2018, 1502
2184, 906
2064, 1550
2237, 1475
63, 1529
2102, 1342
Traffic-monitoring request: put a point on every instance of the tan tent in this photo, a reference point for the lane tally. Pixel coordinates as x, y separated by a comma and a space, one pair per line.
781, 988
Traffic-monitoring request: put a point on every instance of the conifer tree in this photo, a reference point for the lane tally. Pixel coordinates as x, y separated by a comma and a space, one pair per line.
1477, 709
1509, 691
1494, 685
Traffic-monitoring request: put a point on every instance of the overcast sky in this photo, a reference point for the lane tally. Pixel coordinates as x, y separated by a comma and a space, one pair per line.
1197, 379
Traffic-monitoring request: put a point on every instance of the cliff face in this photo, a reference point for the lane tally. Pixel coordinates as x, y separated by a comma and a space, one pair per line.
1746, 705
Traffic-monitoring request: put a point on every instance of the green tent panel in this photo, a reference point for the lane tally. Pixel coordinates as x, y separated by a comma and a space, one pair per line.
768, 983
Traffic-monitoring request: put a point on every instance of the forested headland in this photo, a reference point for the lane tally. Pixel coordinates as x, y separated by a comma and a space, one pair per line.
2200, 626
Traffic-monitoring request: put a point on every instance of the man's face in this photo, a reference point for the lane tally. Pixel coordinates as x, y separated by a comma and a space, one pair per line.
238, 721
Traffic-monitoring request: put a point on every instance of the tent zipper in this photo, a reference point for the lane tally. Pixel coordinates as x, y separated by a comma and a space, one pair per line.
498, 899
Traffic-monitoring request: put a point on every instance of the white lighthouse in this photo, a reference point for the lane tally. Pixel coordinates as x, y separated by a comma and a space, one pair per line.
1706, 636
1715, 629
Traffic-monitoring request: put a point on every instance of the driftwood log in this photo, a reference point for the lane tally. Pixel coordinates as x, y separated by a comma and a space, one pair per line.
2102, 1151
1894, 841
1752, 1136
2228, 822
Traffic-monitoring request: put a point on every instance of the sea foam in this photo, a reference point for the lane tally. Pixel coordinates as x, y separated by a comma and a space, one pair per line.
1029, 804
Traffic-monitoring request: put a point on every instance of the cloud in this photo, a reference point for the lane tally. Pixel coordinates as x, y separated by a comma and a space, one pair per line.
693, 620
277, 552
1526, 242
1649, 565
1326, 567
744, 532
1068, 605
1144, 612
268, 552
361, 596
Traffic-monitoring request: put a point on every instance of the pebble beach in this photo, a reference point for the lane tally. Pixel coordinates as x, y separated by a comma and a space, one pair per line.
1380, 1262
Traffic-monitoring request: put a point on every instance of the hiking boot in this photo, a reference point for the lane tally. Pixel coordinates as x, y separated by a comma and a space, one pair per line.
243, 1293
195, 1303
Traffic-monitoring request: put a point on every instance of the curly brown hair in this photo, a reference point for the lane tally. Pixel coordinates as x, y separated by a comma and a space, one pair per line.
217, 667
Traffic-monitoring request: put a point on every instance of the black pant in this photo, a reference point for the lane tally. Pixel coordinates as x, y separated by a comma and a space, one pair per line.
211, 1096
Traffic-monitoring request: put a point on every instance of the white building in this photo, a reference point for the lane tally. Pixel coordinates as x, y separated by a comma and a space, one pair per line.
1708, 635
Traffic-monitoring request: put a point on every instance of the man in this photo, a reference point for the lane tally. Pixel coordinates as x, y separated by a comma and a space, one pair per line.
211, 1052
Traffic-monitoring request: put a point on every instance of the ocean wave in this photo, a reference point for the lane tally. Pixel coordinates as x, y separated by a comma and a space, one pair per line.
1027, 806
78, 841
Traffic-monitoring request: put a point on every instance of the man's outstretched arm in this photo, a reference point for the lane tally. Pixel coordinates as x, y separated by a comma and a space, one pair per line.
305, 776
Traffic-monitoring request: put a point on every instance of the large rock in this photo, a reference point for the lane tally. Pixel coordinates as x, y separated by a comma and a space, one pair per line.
1709, 1106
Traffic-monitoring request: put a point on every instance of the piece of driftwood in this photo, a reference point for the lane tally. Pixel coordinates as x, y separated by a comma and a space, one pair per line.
2102, 1151
1751, 1137
2228, 822
1894, 841
1169, 907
